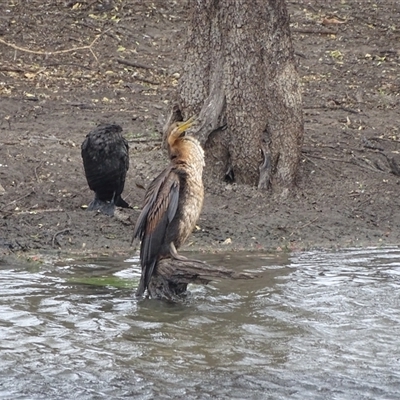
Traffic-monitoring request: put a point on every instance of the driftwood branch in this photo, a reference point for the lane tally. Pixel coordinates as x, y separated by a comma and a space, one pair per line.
172, 277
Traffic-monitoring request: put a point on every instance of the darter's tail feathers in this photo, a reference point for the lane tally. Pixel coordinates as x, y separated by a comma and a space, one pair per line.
147, 273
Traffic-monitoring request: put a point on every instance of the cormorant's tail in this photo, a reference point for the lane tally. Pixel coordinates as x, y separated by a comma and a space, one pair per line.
120, 202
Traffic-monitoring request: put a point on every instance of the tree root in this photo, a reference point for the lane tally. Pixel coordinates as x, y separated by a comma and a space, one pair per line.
172, 277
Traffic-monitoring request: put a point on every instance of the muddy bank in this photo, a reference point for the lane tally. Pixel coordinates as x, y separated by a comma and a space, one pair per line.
122, 66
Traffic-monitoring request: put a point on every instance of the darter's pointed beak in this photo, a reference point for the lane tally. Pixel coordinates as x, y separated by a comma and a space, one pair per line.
183, 126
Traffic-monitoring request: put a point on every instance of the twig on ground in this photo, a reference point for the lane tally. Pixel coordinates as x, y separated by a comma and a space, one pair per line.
39, 211
49, 53
350, 110
314, 31
141, 140
133, 64
55, 64
330, 159
332, 170
83, 106
303, 226
10, 143
35, 170
365, 163
5, 68
18, 199
326, 107
384, 139
145, 80
311, 161
55, 236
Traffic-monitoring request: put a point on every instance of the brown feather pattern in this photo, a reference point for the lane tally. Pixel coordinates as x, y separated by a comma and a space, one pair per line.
172, 203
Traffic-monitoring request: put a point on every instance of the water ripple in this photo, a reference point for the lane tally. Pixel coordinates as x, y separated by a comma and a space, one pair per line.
317, 325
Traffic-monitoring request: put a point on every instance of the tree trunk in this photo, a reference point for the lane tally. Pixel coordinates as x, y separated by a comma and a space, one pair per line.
239, 77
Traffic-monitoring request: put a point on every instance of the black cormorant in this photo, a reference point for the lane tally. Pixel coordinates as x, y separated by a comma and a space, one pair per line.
105, 154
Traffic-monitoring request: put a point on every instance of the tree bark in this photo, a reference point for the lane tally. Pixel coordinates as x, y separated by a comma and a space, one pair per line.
239, 77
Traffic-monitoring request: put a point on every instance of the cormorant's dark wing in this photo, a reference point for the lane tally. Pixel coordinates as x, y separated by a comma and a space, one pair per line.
161, 203
105, 155
123, 168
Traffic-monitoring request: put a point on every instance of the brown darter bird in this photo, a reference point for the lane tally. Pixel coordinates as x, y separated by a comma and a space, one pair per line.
172, 203
105, 154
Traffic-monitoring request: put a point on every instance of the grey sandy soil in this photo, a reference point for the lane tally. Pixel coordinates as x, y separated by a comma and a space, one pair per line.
119, 62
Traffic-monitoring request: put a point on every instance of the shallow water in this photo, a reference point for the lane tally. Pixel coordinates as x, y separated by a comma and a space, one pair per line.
313, 325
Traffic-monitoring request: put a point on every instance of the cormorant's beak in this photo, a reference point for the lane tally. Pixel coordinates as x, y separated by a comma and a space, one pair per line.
186, 125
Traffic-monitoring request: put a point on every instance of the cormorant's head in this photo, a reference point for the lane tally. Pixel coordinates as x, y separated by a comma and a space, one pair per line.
109, 128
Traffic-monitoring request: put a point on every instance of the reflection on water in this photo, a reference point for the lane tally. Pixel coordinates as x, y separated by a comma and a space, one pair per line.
314, 325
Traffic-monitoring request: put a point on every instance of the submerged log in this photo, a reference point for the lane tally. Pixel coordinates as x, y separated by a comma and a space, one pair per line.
172, 276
